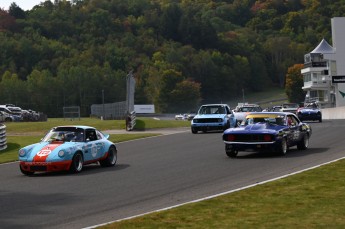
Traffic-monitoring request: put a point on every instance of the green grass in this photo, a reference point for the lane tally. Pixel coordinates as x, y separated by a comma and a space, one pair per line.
20, 134
42, 127
14, 143
312, 199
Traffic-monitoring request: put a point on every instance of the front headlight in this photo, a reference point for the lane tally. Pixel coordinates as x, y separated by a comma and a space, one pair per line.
61, 153
22, 153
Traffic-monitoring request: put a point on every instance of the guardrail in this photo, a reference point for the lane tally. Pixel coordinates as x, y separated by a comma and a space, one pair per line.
130, 121
3, 140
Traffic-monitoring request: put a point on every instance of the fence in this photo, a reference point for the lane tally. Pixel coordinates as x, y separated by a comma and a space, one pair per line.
109, 110
3, 140
71, 112
118, 110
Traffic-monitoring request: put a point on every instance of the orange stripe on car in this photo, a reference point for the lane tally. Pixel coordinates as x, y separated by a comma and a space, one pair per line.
42, 155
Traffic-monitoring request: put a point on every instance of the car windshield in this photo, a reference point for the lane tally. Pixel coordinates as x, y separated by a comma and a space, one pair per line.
249, 109
278, 120
212, 110
290, 105
65, 135
311, 105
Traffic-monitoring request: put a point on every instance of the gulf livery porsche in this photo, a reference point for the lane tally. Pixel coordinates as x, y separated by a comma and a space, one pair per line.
267, 131
68, 148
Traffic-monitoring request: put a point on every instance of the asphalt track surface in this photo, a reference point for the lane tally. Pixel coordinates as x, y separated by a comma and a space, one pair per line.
151, 174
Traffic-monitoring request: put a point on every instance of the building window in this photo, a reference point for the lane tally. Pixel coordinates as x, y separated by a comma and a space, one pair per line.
307, 77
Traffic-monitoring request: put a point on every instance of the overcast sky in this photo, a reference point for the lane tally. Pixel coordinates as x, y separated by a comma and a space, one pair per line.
24, 4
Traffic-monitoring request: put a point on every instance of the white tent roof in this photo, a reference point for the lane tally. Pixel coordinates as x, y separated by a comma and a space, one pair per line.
323, 47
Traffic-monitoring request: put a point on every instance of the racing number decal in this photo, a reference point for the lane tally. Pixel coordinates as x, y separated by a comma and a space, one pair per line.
94, 150
42, 155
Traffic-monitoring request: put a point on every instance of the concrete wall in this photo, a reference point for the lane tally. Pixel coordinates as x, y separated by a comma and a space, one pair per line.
333, 113
338, 37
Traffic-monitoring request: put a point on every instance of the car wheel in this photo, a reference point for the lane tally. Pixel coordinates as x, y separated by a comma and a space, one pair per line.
227, 126
111, 159
194, 130
28, 173
304, 143
283, 148
77, 163
232, 153
320, 120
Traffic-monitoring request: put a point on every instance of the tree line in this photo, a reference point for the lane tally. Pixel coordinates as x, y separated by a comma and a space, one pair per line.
182, 52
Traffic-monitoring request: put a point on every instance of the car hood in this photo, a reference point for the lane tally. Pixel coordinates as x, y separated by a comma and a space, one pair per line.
255, 128
241, 115
209, 116
49, 150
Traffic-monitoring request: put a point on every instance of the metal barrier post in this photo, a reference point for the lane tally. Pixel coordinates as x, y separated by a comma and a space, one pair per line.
3, 140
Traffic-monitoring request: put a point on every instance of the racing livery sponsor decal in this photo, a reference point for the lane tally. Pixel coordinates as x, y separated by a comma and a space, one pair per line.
42, 155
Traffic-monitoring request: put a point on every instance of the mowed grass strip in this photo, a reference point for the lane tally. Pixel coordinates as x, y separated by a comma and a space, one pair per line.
14, 143
20, 134
142, 123
312, 199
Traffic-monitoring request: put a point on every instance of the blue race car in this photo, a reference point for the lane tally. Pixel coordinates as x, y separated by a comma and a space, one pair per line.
310, 112
68, 148
212, 117
267, 131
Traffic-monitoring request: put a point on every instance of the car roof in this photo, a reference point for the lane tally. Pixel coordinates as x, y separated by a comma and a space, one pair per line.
271, 113
215, 104
249, 105
76, 126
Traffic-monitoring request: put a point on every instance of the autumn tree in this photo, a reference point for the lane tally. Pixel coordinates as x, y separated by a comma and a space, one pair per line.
294, 84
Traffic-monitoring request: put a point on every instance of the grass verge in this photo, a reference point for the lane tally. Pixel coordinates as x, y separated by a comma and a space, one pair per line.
20, 134
14, 143
312, 199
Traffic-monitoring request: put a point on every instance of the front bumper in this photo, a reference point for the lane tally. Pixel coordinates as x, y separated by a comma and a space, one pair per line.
307, 116
209, 126
251, 146
45, 166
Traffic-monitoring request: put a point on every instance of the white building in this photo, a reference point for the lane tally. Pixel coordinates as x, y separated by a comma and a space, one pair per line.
324, 69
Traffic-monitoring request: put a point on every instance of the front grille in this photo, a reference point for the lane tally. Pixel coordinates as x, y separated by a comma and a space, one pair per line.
38, 168
252, 138
206, 120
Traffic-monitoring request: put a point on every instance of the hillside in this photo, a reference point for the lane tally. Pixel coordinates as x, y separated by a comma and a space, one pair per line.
182, 53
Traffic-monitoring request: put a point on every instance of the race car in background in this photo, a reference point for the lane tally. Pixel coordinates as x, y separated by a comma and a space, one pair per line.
240, 112
310, 112
211, 117
267, 131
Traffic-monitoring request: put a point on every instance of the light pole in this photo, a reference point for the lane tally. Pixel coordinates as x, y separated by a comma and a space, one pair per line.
103, 104
243, 95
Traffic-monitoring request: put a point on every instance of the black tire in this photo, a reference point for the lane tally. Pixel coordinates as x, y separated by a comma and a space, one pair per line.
283, 148
232, 153
111, 159
27, 173
320, 120
194, 130
77, 163
227, 126
304, 143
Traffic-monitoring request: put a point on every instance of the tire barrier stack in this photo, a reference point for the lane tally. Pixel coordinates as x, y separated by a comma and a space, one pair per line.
3, 141
130, 121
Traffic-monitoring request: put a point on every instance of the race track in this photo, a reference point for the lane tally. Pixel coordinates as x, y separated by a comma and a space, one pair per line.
151, 174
